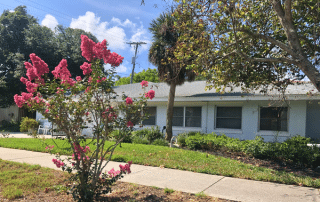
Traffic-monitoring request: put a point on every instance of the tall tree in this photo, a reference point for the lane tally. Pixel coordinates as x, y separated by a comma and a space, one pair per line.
68, 47
146, 75
171, 68
256, 43
21, 35
12, 52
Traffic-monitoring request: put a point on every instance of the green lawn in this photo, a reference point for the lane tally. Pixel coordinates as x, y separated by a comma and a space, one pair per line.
174, 158
17, 179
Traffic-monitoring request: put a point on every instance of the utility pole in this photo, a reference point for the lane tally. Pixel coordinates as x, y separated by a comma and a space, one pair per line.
134, 58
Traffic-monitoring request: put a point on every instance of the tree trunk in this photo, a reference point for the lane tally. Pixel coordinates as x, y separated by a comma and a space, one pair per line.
170, 111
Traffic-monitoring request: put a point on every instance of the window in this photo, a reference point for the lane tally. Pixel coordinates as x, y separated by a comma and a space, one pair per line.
273, 118
186, 116
151, 112
229, 117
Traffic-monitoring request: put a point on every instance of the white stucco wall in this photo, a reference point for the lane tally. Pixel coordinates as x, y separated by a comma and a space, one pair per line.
250, 119
249, 123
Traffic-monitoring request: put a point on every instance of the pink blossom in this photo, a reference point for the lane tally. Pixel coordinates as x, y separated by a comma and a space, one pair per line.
87, 113
86, 68
150, 94
18, 100
103, 78
91, 50
87, 47
144, 83
38, 69
90, 79
31, 87
78, 78
129, 100
23, 80
113, 173
129, 124
58, 163
61, 72
88, 89
126, 168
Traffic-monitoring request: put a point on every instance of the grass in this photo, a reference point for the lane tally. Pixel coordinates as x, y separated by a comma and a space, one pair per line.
168, 191
174, 158
17, 179
201, 194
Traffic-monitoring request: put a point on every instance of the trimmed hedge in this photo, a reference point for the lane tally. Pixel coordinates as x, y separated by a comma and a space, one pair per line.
293, 150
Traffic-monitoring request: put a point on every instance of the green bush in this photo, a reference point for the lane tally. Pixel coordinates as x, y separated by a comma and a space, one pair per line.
153, 134
28, 123
160, 142
139, 140
115, 135
149, 134
181, 139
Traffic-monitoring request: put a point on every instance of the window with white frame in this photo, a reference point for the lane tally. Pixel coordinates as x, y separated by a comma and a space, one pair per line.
186, 116
274, 118
151, 120
229, 117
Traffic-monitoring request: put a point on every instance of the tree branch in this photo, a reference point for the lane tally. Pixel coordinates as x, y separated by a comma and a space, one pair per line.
269, 60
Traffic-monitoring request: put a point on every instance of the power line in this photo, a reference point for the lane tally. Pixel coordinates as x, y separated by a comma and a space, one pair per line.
134, 58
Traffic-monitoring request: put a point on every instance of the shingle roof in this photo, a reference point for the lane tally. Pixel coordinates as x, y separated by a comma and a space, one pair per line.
197, 89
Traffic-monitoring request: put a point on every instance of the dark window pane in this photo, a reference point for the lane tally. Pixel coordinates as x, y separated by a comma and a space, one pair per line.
229, 112
273, 118
193, 111
193, 117
178, 111
232, 123
193, 122
152, 112
177, 121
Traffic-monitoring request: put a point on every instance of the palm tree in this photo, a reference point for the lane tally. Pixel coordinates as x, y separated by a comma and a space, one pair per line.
161, 54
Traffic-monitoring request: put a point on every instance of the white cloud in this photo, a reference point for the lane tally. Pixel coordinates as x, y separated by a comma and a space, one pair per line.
49, 21
11, 11
121, 69
126, 23
115, 36
140, 35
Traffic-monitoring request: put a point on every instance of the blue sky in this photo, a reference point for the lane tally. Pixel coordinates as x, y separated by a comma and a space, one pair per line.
117, 21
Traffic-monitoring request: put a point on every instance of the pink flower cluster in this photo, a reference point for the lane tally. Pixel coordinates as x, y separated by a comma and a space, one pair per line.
91, 50
129, 124
61, 72
38, 69
125, 169
78, 150
49, 147
31, 87
113, 173
150, 94
129, 101
58, 162
111, 114
86, 68
144, 83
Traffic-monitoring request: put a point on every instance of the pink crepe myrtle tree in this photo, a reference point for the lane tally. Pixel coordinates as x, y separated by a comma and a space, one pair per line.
73, 105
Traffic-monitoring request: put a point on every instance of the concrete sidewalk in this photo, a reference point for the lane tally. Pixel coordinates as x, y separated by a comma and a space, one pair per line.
212, 185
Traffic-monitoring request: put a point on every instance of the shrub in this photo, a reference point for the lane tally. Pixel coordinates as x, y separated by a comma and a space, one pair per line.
153, 134
28, 123
139, 140
160, 142
115, 135
181, 139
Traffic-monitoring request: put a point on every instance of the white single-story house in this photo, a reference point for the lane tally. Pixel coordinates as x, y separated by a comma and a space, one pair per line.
236, 114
